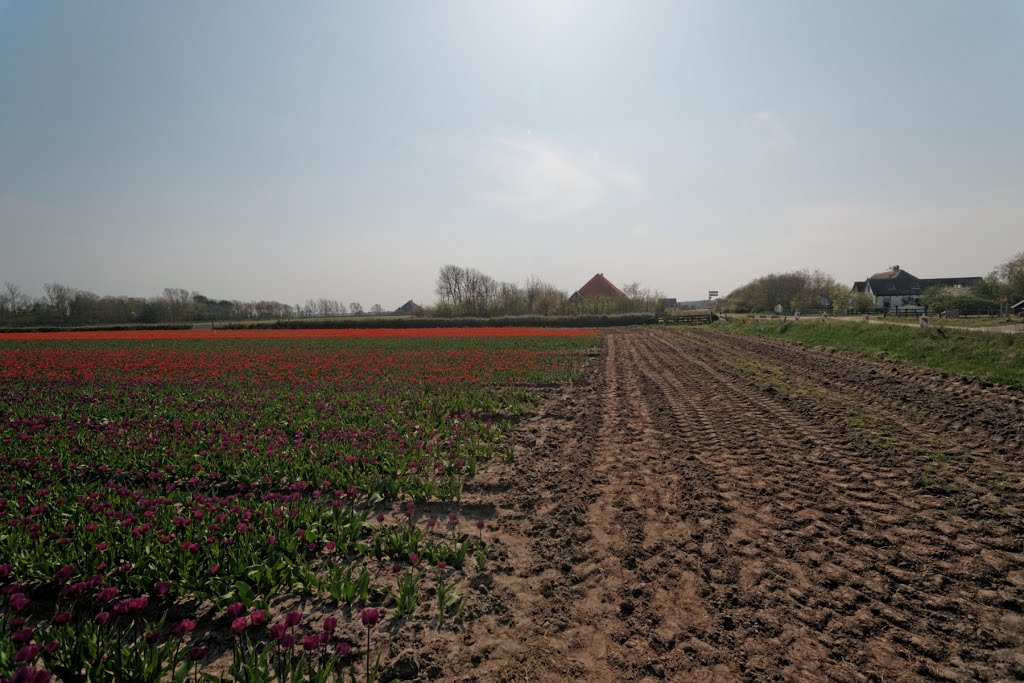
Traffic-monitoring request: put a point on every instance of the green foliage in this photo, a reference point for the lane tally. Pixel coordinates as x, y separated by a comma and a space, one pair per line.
407, 595
958, 299
1006, 280
794, 290
448, 601
862, 302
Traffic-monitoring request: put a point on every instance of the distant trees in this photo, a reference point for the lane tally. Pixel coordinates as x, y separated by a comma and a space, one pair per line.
60, 297
997, 291
641, 299
862, 302
465, 291
794, 290
66, 305
1005, 280
543, 298
13, 301
469, 292
957, 298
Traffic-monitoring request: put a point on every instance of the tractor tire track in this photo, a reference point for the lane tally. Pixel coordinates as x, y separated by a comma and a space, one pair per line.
705, 507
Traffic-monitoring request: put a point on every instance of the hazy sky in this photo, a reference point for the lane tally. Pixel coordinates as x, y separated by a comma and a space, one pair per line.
288, 150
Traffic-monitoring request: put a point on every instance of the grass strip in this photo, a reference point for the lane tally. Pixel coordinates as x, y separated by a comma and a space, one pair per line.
995, 357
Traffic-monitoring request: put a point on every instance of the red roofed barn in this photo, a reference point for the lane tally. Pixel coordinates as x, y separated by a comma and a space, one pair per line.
598, 287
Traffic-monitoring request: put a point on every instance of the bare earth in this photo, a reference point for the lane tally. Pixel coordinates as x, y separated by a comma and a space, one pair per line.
709, 507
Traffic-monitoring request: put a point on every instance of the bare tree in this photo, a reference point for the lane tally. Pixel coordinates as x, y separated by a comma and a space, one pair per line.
178, 302
59, 298
451, 283
355, 308
12, 301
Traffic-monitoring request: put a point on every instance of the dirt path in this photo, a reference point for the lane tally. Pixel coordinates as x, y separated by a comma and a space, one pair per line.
709, 507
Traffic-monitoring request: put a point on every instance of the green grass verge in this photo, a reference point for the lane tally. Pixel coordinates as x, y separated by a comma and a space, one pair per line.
990, 356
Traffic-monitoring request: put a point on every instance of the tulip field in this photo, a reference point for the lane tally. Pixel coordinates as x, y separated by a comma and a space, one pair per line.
207, 505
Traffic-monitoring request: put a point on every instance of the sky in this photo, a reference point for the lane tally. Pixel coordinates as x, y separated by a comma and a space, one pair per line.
267, 150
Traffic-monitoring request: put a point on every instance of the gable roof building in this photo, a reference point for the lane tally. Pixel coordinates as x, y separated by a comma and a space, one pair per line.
893, 282
896, 287
598, 287
408, 308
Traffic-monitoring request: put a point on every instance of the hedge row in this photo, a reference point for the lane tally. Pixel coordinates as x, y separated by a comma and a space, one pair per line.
401, 323
97, 328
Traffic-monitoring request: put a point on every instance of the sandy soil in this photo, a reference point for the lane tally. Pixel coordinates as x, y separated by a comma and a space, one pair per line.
709, 507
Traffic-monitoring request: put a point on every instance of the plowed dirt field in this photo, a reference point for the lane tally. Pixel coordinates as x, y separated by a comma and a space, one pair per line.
709, 507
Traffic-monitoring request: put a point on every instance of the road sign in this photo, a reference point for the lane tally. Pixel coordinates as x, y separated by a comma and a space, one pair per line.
712, 293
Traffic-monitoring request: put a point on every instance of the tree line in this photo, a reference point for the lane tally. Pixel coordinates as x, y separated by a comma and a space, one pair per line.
797, 290
63, 305
997, 291
463, 291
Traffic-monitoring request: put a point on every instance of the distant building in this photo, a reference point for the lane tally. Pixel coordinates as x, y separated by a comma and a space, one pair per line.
896, 288
408, 308
598, 287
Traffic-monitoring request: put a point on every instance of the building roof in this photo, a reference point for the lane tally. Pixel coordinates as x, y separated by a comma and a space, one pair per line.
597, 287
1019, 304
859, 286
894, 282
408, 308
898, 282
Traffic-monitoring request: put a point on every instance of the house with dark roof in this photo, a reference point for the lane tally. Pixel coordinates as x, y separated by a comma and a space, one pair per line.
598, 287
896, 288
